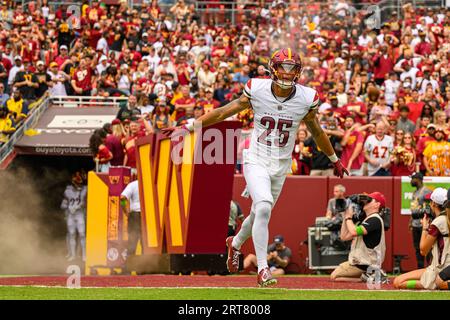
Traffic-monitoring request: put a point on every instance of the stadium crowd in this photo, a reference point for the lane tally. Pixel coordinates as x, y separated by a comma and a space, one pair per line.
385, 92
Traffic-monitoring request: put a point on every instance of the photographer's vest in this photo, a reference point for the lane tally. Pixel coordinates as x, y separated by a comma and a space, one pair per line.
361, 255
441, 259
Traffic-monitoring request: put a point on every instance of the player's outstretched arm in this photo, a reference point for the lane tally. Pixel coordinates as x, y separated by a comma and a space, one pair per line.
220, 114
323, 142
216, 115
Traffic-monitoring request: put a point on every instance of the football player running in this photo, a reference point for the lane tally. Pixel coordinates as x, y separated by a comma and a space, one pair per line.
279, 105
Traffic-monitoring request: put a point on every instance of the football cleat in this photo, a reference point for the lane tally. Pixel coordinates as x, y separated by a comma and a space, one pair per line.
233, 256
265, 278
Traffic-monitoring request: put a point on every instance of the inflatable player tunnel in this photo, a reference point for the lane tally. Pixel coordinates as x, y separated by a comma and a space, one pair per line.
184, 204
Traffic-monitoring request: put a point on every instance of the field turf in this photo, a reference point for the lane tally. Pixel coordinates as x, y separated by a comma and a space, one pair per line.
47, 293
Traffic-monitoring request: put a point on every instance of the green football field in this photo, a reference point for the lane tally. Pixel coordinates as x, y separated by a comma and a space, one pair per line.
41, 293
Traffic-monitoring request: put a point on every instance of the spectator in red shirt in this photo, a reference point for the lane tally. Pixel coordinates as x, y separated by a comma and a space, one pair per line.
404, 157
184, 106
130, 144
352, 143
219, 50
63, 55
424, 121
95, 13
182, 68
82, 79
415, 106
114, 142
383, 64
423, 143
354, 108
301, 155
423, 48
101, 153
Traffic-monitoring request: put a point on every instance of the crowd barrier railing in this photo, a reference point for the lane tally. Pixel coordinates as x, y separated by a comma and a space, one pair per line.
37, 110
87, 101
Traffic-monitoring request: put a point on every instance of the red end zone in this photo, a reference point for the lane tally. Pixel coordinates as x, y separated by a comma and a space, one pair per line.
158, 281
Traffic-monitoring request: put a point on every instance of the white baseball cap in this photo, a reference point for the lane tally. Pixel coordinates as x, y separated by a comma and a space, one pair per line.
63, 47
324, 107
103, 58
18, 58
439, 196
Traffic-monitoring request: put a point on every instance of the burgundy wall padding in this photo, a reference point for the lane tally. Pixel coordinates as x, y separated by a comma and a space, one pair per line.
403, 242
305, 198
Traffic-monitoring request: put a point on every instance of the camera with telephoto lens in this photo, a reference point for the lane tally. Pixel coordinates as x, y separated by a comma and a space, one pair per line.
422, 212
358, 201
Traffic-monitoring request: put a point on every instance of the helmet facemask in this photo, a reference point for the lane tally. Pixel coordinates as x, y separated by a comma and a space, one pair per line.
293, 69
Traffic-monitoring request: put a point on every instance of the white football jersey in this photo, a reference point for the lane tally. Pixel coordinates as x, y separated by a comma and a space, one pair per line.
379, 150
276, 120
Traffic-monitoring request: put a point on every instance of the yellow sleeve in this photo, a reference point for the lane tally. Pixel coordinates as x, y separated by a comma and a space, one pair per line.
427, 152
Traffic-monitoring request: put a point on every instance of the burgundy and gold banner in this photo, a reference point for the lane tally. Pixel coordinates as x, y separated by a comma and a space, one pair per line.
117, 234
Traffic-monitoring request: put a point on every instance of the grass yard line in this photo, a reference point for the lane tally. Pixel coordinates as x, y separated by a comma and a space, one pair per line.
221, 288
21, 293
230, 288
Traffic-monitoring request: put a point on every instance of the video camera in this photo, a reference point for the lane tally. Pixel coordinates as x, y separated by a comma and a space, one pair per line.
358, 201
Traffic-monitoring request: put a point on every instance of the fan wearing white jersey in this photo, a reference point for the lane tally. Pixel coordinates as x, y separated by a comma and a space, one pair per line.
279, 104
377, 150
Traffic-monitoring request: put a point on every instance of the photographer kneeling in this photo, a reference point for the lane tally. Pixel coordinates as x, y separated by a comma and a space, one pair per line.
366, 228
435, 239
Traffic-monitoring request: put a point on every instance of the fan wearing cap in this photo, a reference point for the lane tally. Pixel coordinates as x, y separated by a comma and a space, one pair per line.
279, 105
102, 65
436, 156
368, 240
184, 106
434, 240
206, 78
423, 48
356, 109
43, 79
63, 55
18, 66
278, 256
427, 80
208, 102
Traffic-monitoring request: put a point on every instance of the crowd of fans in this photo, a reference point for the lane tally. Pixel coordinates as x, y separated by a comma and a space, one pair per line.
385, 92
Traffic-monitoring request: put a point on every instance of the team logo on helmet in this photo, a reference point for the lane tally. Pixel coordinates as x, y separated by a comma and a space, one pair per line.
285, 67
77, 179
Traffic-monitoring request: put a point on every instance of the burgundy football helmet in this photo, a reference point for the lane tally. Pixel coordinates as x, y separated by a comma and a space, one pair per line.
290, 63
